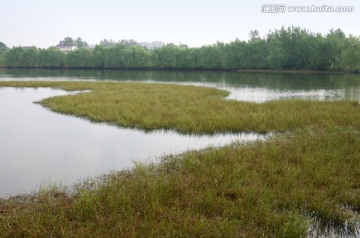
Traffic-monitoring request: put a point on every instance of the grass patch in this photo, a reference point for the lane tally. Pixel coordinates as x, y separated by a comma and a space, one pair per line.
276, 188
190, 109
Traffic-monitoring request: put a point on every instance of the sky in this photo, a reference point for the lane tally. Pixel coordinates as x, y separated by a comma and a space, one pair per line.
44, 23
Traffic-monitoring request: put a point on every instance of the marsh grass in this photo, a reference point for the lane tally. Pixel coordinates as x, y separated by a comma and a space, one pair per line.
273, 188
277, 188
190, 109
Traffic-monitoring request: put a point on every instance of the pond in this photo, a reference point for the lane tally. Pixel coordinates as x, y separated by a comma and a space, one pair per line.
37, 145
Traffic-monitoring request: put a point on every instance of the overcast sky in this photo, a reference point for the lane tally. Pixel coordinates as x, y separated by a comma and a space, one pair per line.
45, 23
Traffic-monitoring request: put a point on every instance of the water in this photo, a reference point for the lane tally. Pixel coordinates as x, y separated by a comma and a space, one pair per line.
256, 87
37, 145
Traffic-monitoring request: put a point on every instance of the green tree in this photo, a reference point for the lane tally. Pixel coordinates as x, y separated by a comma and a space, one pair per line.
80, 58
98, 58
107, 43
51, 58
115, 56
136, 57
128, 43
29, 57
254, 35
286, 48
2, 55
68, 41
183, 57
320, 58
3, 49
13, 56
2, 46
350, 56
79, 43
210, 57
56, 58
276, 53
234, 55
290, 48
163, 58
21, 57
336, 41
256, 54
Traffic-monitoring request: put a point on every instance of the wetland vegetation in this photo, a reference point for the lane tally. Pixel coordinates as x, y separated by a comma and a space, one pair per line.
191, 109
306, 176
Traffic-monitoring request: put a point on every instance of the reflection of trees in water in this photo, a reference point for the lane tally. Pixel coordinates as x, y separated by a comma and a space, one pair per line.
353, 93
274, 81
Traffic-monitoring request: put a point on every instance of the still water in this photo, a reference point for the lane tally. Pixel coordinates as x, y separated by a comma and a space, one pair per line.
256, 87
37, 145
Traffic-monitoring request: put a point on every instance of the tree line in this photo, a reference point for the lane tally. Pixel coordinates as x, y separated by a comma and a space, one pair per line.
291, 48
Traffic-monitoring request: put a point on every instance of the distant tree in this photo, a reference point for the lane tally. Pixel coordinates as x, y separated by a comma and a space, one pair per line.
128, 43
51, 57
276, 53
68, 41
3, 49
336, 41
115, 56
2, 46
80, 43
21, 57
2, 56
255, 54
107, 43
80, 58
210, 57
165, 57
234, 57
13, 56
350, 56
136, 57
29, 56
99, 57
319, 49
254, 35
286, 48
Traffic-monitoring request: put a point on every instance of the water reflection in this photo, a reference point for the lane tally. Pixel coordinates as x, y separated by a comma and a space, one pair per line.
257, 87
263, 94
37, 145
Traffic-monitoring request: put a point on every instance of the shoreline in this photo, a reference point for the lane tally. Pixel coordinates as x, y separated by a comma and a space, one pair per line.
271, 71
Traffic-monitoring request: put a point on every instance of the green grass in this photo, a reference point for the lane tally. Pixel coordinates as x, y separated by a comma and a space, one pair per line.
190, 109
277, 188
273, 188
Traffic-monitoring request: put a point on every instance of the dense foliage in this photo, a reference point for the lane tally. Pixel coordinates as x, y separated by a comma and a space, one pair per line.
2, 52
3, 48
290, 48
